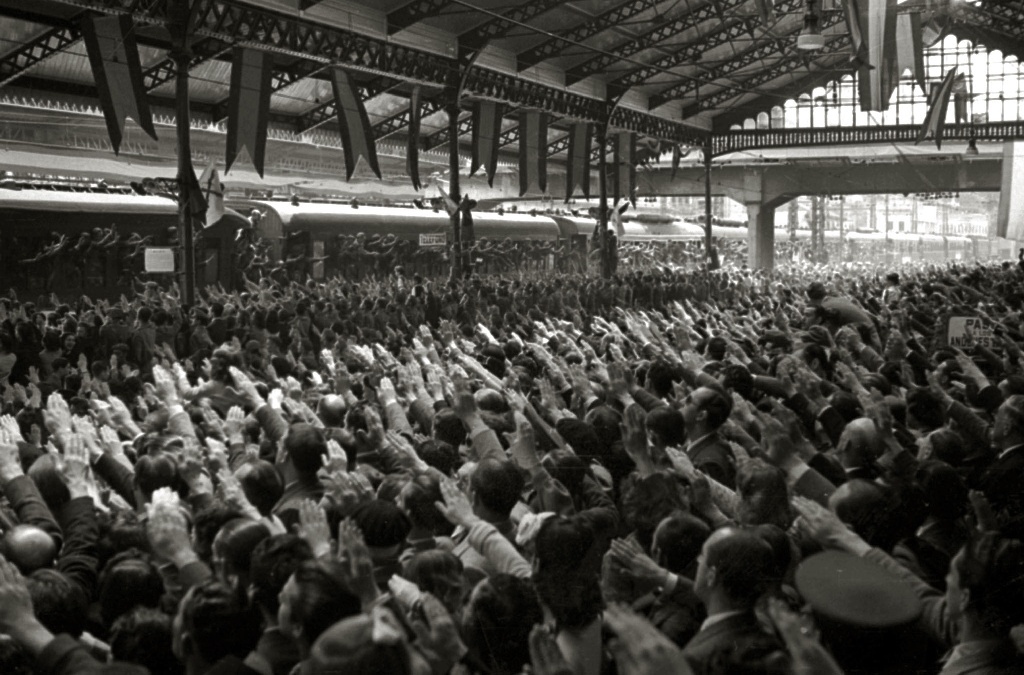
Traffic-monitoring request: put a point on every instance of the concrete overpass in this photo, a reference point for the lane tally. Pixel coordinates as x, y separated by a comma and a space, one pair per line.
768, 179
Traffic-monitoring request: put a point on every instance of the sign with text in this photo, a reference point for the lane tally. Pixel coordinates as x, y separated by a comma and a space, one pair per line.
968, 331
159, 260
433, 240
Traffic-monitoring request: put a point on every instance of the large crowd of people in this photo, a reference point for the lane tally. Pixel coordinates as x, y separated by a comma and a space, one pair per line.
669, 471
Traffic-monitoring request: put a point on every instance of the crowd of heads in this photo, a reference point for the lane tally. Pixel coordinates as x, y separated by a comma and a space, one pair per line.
811, 470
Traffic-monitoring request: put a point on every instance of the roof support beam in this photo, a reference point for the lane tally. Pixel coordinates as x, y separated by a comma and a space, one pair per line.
495, 28
326, 111
232, 21
441, 136
20, 60
412, 12
728, 32
602, 22
165, 71
761, 50
709, 11
777, 69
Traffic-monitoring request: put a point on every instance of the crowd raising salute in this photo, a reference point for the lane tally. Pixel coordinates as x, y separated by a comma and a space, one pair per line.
813, 471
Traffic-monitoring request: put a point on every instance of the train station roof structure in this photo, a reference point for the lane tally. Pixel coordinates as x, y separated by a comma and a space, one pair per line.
679, 71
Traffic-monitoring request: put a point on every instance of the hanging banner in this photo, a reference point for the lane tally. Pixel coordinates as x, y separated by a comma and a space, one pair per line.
412, 148
624, 160
935, 122
486, 137
878, 72
356, 132
1010, 218
114, 59
577, 170
249, 106
910, 47
213, 192
533, 155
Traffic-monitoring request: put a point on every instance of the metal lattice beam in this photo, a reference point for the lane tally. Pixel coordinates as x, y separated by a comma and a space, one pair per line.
20, 60
710, 11
412, 12
441, 136
777, 69
552, 47
399, 121
326, 111
233, 22
165, 71
496, 28
728, 32
762, 50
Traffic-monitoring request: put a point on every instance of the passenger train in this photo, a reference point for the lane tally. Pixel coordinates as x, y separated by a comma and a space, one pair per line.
33, 219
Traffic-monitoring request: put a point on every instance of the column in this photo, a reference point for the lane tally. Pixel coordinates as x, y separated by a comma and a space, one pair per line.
760, 236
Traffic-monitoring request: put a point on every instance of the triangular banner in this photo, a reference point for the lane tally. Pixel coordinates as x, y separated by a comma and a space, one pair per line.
873, 27
114, 58
910, 47
486, 137
938, 103
412, 149
577, 170
533, 155
356, 132
249, 106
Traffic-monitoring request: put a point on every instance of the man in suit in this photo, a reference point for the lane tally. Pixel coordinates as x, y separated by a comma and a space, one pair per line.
859, 449
733, 570
1003, 480
705, 410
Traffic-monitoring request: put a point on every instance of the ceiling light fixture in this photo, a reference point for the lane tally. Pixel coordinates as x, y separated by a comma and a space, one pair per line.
810, 38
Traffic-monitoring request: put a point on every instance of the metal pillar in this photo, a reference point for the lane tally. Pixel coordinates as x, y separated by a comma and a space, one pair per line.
602, 183
453, 185
707, 202
181, 53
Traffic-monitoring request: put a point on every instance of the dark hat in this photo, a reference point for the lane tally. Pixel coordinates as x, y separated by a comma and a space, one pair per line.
116, 313
856, 593
776, 338
816, 291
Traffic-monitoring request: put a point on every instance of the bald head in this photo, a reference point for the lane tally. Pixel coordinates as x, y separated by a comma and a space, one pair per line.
331, 410
29, 548
860, 444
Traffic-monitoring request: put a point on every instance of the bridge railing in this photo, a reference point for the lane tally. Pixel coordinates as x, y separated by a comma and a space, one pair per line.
760, 139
